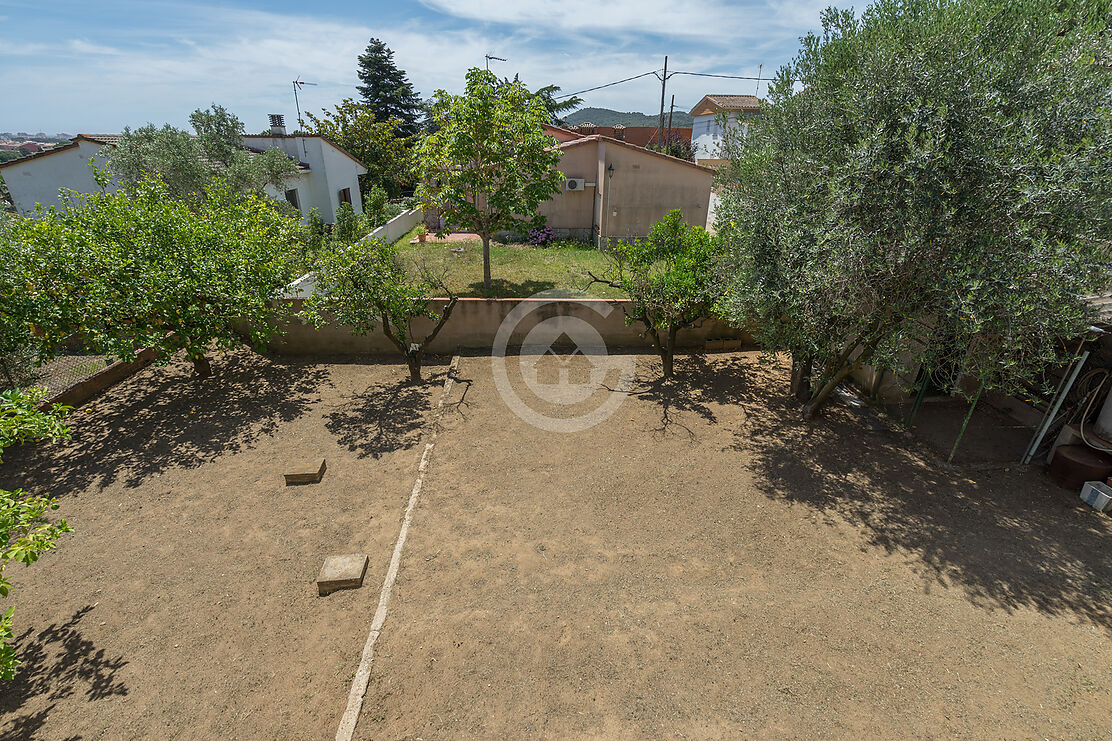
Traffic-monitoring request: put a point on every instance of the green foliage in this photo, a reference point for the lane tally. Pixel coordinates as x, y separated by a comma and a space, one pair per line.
25, 532
19, 348
386, 90
22, 420
379, 143
489, 165
683, 149
555, 105
137, 269
670, 278
377, 209
188, 164
366, 285
938, 193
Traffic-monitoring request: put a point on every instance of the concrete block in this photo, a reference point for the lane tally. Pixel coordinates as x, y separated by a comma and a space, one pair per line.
341, 572
308, 472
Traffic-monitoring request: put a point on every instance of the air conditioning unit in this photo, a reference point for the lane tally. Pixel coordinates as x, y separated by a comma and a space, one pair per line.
576, 184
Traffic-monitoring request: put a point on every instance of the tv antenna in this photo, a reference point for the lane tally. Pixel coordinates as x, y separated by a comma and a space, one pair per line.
297, 84
491, 58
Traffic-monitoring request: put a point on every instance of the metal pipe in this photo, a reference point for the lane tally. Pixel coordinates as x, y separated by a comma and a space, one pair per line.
1060, 397
968, 416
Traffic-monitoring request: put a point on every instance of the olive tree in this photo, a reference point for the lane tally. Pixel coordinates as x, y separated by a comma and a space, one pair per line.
366, 284
928, 184
138, 269
670, 279
489, 164
189, 163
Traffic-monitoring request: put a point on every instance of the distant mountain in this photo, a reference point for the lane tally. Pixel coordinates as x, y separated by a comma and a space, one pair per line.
607, 117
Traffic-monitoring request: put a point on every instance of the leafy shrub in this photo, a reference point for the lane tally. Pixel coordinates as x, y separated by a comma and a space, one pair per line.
25, 533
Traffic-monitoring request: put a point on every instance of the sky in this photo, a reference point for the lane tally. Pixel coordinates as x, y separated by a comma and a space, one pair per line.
94, 67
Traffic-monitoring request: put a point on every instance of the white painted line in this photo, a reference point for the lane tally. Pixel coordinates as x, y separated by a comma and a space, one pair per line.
363, 674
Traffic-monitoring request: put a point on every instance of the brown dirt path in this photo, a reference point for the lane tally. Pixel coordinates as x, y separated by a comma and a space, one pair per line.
184, 605
702, 565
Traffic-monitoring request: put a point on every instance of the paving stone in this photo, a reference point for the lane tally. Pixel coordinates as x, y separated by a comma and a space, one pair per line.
307, 472
342, 572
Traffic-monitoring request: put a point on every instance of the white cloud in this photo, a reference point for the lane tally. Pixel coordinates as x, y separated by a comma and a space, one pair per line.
716, 21
247, 59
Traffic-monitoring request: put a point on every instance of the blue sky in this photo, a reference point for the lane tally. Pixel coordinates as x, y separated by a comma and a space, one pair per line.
97, 66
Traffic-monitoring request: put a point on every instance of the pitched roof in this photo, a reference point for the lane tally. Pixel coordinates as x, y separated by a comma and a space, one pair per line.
112, 140
634, 147
323, 138
715, 103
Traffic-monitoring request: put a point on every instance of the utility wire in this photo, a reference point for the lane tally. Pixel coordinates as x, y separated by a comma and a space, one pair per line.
609, 84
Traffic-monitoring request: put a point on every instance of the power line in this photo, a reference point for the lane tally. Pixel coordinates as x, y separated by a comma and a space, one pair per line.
706, 74
609, 84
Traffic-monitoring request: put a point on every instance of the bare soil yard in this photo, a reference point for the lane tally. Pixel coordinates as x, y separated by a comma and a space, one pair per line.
700, 565
184, 605
703, 565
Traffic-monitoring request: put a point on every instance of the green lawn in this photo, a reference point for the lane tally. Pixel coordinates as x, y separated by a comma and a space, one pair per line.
517, 270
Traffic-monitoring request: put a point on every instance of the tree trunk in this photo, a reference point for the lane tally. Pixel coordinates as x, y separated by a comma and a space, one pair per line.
486, 263
413, 360
668, 351
201, 366
840, 375
801, 377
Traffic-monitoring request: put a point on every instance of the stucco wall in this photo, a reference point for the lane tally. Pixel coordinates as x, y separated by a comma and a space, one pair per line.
38, 180
646, 187
574, 209
643, 188
475, 322
329, 171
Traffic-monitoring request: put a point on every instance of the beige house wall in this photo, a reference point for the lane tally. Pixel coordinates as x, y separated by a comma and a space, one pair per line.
574, 209
643, 188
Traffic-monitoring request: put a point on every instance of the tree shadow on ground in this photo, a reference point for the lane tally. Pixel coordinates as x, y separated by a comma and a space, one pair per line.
502, 288
165, 417
1010, 540
698, 383
57, 663
384, 418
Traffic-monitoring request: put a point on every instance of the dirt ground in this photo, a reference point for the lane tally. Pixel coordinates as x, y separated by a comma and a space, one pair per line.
700, 565
184, 605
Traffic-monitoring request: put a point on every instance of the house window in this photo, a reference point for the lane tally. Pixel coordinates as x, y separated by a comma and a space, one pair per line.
345, 195
292, 199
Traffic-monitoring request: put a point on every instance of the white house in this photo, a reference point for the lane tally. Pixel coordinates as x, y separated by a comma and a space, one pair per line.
327, 175
708, 127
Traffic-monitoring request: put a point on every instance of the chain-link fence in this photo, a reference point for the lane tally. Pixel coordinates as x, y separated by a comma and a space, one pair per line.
66, 370
55, 376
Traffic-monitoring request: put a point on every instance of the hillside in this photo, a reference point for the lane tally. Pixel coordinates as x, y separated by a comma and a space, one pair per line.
607, 117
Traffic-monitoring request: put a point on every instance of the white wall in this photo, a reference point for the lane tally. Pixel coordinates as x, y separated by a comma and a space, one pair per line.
38, 180
707, 134
399, 226
329, 171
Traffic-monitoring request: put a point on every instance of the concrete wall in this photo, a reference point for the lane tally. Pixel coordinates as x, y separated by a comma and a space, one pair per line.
475, 322
39, 179
399, 226
643, 188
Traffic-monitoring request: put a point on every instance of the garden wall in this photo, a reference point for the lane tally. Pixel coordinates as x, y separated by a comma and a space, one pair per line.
475, 322
397, 227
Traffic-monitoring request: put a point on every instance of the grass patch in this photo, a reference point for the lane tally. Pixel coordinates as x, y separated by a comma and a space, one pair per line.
517, 270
